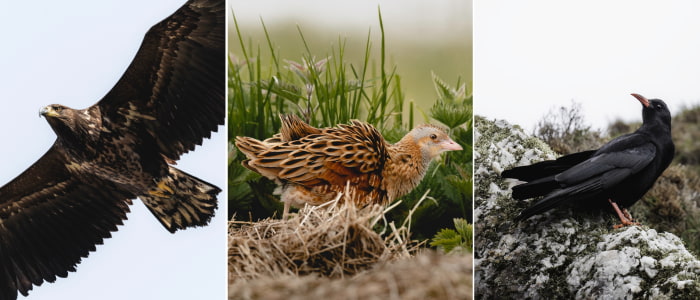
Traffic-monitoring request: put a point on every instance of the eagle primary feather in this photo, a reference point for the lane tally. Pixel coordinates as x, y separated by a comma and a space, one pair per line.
312, 165
169, 99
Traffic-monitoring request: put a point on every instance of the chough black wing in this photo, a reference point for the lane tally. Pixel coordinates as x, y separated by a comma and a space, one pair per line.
592, 177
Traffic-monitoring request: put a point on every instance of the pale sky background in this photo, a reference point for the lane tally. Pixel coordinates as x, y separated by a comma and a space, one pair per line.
73, 52
530, 56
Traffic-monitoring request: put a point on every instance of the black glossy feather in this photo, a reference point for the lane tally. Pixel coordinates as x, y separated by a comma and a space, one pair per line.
547, 167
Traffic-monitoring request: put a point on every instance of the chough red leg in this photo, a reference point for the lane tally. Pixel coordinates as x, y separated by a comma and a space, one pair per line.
625, 217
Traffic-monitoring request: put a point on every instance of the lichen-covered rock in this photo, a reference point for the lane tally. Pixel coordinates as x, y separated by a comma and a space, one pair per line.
561, 253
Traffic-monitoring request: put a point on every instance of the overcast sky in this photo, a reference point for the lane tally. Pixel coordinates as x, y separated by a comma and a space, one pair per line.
72, 52
530, 56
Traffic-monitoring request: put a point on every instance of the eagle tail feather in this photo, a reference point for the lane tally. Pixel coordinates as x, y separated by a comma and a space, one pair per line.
180, 200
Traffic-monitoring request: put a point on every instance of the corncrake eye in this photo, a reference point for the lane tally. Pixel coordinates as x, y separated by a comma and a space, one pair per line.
433, 136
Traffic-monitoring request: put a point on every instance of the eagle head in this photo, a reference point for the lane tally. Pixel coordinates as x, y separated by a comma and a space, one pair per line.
58, 116
68, 124
53, 111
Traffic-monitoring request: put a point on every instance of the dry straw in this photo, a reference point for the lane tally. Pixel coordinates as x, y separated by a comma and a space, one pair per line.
332, 240
335, 248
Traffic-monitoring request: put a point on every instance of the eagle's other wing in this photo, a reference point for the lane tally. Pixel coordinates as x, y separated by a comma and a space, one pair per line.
174, 87
50, 219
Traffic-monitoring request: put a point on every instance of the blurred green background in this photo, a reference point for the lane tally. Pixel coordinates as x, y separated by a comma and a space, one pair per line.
420, 36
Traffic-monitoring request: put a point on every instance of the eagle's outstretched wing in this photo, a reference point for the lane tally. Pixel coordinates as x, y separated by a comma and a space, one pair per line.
49, 220
174, 88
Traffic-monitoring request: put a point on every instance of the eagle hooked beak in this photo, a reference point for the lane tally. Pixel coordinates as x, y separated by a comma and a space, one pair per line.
47, 111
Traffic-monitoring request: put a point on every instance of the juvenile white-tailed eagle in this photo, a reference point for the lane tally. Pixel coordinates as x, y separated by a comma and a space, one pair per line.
169, 99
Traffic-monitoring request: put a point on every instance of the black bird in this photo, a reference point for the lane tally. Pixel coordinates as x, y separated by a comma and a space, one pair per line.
620, 172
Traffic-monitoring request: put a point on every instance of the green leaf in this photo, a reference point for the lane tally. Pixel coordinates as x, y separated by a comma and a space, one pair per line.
447, 239
450, 240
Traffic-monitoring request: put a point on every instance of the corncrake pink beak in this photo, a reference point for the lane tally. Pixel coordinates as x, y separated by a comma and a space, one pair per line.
450, 145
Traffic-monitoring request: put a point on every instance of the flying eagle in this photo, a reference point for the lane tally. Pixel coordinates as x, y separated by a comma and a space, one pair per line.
168, 100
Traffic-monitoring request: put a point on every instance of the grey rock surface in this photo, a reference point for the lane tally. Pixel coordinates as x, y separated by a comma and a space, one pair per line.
563, 254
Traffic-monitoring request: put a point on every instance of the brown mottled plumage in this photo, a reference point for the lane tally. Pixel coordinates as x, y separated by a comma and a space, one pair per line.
312, 165
169, 99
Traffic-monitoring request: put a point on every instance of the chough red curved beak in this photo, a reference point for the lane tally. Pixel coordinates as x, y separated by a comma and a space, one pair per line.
641, 99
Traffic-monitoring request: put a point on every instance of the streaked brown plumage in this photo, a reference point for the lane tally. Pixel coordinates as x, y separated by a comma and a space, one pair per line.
312, 165
71, 199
